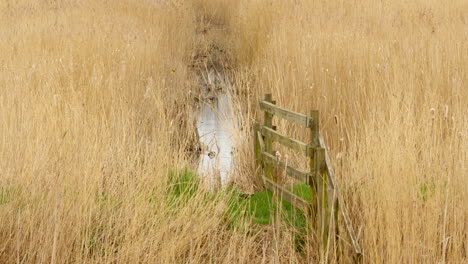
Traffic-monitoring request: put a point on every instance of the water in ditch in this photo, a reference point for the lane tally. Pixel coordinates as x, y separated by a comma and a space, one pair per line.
215, 125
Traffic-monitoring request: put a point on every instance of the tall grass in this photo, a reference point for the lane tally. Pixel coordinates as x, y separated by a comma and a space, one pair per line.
390, 81
96, 110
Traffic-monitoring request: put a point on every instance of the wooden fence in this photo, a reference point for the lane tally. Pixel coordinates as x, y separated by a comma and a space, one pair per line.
326, 203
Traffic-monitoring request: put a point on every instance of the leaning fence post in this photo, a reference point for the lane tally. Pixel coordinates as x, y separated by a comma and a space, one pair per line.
268, 141
337, 228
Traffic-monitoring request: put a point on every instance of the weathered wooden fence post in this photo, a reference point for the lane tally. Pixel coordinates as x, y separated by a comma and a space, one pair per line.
268, 141
314, 143
319, 183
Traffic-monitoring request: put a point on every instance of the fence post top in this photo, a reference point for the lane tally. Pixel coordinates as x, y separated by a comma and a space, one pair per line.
313, 118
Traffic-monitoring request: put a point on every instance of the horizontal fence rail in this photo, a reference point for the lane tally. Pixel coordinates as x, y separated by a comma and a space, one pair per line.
287, 195
291, 171
326, 201
286, 141
284, 113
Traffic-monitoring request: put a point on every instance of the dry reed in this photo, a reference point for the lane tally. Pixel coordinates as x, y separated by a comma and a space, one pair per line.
96, 101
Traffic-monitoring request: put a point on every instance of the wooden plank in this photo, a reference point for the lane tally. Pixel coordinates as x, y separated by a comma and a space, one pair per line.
314, 128
314, 131
268, 122
344, 211
350, 231
291, 171
330, 171
285, 141
295, 200
284, 113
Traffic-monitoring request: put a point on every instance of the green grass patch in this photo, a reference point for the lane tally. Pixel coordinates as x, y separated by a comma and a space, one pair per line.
260, 208
302, 190
181, 186
263, 208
